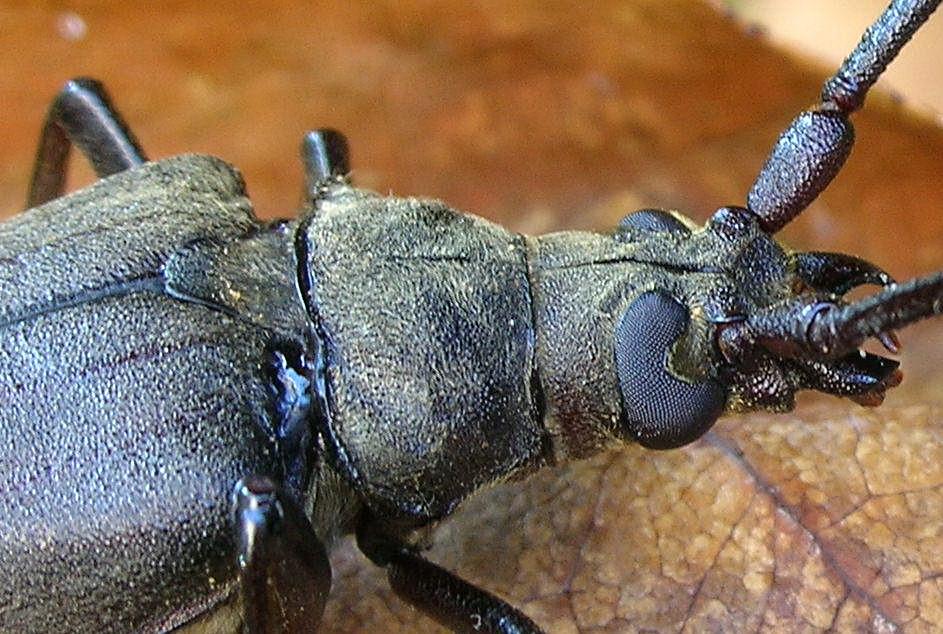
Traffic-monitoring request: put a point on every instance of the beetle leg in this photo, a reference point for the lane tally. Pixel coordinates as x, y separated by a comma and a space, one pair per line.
442, 595
326, 156
81, 114
284, 571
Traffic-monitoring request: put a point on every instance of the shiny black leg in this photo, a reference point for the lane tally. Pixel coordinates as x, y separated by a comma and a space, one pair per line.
284, 572
326, 156
81, 114
445, 597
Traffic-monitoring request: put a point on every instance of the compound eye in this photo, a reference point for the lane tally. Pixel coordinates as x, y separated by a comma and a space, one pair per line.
651, 221
660, 410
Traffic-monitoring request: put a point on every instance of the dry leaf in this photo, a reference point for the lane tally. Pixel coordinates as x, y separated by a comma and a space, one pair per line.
552, 115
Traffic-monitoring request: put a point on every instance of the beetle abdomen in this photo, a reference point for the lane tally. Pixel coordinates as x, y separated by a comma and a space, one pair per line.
126, 415
117, 232
119, 452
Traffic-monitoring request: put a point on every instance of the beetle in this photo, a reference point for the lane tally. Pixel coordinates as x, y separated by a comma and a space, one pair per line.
368, 366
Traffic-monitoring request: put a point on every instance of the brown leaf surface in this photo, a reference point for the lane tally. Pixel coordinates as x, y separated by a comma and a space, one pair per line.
551, 115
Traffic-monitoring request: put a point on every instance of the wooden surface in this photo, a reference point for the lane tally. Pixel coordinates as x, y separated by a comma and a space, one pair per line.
560, 115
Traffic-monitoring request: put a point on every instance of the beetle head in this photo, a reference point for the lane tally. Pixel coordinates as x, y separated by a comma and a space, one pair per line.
743, 324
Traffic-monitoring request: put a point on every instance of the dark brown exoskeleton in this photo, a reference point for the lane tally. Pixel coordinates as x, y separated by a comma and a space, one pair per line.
367, 367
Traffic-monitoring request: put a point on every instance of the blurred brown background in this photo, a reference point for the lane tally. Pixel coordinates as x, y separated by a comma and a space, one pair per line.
434, 93
822, 30
539, 115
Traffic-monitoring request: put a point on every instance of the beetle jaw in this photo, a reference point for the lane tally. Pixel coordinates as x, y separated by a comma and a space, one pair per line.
774, 322
765, 370
799, 333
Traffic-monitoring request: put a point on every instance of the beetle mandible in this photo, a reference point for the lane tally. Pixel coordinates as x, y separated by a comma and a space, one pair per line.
367, 367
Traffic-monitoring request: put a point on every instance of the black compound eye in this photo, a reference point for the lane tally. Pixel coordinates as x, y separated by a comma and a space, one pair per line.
651, 220
660, 410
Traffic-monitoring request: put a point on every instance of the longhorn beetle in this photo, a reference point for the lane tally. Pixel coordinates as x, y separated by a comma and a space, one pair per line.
195, 404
